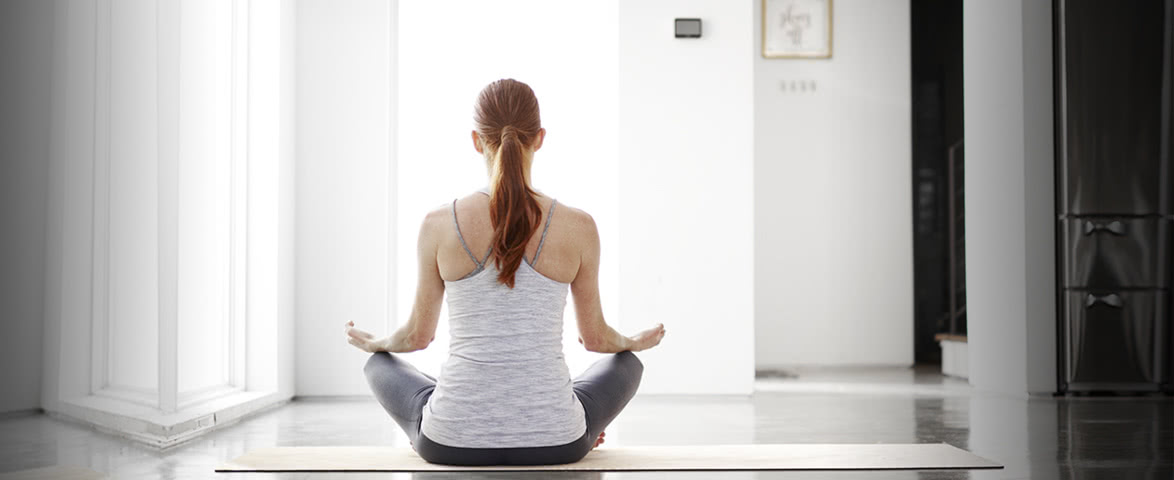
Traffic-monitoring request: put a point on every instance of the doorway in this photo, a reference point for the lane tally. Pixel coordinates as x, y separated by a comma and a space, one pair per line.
939, 247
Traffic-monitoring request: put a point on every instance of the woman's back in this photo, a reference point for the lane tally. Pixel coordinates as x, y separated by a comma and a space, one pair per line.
561, 251
505, 382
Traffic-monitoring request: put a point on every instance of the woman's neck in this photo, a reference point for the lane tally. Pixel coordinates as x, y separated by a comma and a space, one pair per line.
525, 171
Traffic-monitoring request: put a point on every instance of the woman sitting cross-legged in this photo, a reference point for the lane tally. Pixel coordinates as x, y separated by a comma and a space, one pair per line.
504, 395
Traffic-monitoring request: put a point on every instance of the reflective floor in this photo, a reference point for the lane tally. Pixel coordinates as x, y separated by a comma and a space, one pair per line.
1039, 438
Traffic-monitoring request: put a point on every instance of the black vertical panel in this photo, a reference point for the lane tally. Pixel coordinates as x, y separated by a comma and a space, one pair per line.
1168, 162
1115, 237
1113, 87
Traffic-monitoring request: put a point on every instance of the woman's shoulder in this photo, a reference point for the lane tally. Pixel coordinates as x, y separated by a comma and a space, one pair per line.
439, 219
572, 217
575, 225
465, 206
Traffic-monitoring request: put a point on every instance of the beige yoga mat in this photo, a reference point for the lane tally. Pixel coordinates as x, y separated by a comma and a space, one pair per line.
630, 459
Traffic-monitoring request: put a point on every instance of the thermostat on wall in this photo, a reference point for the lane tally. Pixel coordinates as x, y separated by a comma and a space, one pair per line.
688, 27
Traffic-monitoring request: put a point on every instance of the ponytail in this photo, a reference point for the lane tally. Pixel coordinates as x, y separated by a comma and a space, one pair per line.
507, 121
513, 211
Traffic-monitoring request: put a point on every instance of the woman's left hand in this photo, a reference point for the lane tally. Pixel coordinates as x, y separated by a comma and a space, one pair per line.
364, 341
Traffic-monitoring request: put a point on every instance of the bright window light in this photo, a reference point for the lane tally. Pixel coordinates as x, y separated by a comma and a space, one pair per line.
567, 52
205, 197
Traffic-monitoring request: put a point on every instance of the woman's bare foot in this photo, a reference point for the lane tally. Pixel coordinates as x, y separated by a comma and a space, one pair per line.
599, 441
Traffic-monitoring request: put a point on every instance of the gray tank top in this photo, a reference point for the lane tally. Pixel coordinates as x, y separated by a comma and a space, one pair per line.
505, 383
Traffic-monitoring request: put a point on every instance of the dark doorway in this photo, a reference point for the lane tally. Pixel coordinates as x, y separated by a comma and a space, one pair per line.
938, 248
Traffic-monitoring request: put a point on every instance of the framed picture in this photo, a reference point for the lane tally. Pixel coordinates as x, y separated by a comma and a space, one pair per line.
797, 28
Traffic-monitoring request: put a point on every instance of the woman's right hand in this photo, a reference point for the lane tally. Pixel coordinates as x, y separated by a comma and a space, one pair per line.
364, 341
647, 339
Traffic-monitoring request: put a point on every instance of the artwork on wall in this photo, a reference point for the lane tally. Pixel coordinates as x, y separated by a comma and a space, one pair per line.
797, 28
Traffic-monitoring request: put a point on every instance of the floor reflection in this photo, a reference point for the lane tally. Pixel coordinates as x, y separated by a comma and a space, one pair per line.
1100, 438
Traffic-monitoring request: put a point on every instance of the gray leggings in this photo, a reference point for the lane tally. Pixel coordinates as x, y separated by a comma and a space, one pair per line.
603, 389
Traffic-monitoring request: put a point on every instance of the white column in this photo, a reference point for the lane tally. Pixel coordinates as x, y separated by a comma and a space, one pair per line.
1010, 219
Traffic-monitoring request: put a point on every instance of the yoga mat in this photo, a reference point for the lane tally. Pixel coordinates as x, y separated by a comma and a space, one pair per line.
631, 459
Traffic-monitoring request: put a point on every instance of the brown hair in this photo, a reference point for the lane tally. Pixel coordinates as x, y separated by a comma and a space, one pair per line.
507, 120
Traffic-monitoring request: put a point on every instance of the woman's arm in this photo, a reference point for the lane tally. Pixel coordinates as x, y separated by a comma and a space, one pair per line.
420, 329
594, 332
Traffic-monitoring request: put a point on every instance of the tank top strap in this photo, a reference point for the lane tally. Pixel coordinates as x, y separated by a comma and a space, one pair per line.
545, 229
457, 225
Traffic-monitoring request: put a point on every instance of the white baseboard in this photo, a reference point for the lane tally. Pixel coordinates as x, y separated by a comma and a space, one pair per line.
161, 430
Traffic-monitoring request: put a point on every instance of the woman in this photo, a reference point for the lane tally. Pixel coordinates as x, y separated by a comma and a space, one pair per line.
505, 396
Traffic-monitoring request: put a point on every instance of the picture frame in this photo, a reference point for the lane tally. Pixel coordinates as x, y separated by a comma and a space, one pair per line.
797, 29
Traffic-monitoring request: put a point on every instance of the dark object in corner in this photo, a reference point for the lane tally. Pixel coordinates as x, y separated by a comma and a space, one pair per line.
1114, 204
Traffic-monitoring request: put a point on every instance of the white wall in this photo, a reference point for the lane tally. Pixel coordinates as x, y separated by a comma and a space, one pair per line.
686, 123
26, 29
1010, 218
833, 220
341, 256
346, 55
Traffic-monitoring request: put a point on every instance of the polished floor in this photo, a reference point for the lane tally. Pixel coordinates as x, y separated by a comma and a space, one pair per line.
1038, 438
